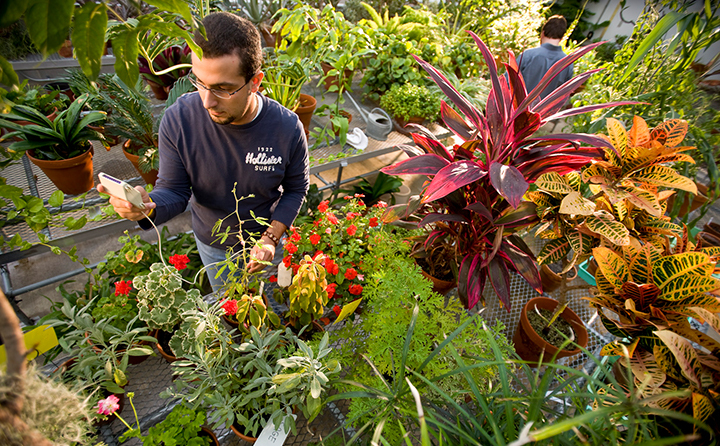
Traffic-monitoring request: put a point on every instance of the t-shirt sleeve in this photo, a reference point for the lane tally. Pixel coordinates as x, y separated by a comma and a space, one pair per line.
172, 190
295, 184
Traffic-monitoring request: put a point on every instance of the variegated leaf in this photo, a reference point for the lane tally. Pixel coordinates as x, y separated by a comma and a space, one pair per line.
554, 183
553, 251
548, 234
645, 369
674, 158
541, 199
621, 210
603, 285
706, 301
617, 135
684, 354
681, 287
675, 266
664, 176
713, 252
644, 200
670, 133
704, 315
703, 407
642, 295
614, 194
641, 265
617, 348
667, 362
597, 174
612, 266
639, 134
605, 226
581, 243
575, 204
574, 179
659, 227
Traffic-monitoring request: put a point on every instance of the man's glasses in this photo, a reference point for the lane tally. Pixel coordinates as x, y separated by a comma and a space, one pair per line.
221, 94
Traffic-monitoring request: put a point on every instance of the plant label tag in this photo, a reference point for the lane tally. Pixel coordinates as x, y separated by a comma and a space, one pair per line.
347, 310
37, 342
284, 276
271, 435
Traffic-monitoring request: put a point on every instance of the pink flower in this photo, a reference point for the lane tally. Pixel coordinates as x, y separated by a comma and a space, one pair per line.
108, 406
328, 231
332, 219
123, 288
337, 310
230, 307
380, 204
323, 206
373, 222
350, 274
179, 261
315, 239
355, 289
351, 230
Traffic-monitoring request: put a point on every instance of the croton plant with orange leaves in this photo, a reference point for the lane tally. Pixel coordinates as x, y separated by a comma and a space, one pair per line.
630, 187
646, 296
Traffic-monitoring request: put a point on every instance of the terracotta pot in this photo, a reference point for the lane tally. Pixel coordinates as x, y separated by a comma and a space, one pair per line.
413, 120
72, 176
439, 286
205, 431
236, 429
66, 50
305, 111
333, 80
529, 344
271, 39
345, 114
160, 92
169, 357
149, 177
551, 280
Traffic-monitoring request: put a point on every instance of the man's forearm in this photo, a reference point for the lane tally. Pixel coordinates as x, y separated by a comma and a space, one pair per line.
273, 232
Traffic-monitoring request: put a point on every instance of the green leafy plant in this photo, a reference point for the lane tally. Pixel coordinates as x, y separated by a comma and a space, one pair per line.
65, 137
161, 297
181, 426
307, 295
283, 80
46, 102
383, 184
408, 101
249, 309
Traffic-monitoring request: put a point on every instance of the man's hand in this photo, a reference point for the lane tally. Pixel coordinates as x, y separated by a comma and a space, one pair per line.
125, 209
264, 251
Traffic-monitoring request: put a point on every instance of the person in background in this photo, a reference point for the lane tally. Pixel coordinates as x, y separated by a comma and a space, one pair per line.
223, 134
535, 62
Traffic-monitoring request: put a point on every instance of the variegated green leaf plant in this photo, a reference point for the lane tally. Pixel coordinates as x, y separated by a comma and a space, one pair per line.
647, 297
615, 201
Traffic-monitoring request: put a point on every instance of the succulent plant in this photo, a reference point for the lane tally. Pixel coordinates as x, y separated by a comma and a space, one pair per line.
161, 297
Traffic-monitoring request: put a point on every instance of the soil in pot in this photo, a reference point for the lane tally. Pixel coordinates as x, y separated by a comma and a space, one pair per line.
442, 284
554, 336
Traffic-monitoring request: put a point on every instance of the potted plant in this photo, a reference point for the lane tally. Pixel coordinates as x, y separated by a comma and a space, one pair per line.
626, 207
168, 66
476, 188
307, 295
284, 78
183, 425
251, 308
279, 372
162, 302
409, 103
61, 148
646, 296
49, 103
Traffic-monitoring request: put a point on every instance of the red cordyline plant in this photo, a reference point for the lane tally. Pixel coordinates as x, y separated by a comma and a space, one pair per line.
474, 196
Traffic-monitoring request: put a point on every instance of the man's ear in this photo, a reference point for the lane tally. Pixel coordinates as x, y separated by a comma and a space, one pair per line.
256, 80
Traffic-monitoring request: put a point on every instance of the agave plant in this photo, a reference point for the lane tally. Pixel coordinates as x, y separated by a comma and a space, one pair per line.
646, 296
627, 205
476, 188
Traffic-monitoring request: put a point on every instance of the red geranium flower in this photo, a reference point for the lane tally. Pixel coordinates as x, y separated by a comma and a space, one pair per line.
355, 289
273, 279
315, 239
230, 307
291, 248
287, 260
295, 268
332, 219
323, 206
123, 288
331, 288
373, 222
179, 261
380, 204
350, 274
351, 230
337, 310
295, 237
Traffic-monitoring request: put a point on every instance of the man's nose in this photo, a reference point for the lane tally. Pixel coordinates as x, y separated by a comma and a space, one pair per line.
209, 100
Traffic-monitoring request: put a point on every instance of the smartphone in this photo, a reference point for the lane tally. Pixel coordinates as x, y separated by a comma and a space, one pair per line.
121, 189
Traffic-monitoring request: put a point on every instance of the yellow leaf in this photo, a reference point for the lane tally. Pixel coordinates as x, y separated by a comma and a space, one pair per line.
134, 256
575, 204
639, 135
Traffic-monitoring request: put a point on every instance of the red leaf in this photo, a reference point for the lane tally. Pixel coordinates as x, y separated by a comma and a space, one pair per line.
471, 280
431, 145
555, 100
427, 164
451, 178
500, 280
496, 90
523, 264
481, 210
588, 108
455, 122
432, 218
508, 182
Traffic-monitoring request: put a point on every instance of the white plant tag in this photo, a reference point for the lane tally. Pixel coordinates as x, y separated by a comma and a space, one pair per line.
284, 276
272, 436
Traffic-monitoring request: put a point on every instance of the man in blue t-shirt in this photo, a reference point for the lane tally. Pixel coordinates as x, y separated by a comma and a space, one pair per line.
224, 136
535, 62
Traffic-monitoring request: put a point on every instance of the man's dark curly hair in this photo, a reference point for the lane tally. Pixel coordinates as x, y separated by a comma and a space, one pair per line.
231, 34
555, 27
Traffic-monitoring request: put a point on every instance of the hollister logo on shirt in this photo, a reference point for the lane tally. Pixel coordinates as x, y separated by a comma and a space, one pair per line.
264, 160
